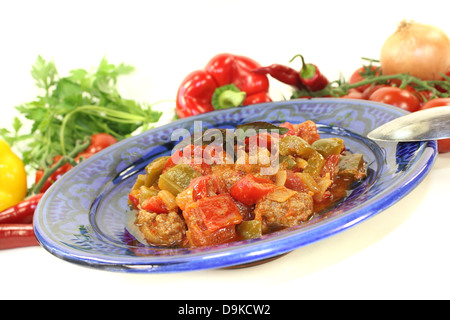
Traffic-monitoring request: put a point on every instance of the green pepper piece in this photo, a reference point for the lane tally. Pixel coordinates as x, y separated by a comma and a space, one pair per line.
140, 181
295, 146
352, 166
250, 229
146, 192
329, 146
287, 162
154, 169
315, 164
178, 178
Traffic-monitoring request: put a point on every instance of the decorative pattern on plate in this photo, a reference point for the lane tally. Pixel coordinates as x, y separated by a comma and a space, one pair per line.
84, 217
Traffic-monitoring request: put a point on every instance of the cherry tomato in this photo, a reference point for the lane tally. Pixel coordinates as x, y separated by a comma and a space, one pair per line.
99, 142
358, 76
437, 102
353, 94
398, 83
397, 97
424, 96
444, 144
371, 89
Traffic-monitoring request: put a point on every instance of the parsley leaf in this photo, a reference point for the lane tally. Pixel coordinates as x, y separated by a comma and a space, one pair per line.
74, 107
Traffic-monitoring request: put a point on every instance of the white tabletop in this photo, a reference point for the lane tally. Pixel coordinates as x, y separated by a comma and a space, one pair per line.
401, 253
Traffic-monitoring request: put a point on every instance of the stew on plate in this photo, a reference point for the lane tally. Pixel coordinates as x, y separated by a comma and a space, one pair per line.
209, 194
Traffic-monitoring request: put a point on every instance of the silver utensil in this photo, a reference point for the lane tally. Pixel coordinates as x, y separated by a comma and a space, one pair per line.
423, 125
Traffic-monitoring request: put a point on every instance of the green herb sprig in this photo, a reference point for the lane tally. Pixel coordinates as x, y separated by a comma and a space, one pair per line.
71, 109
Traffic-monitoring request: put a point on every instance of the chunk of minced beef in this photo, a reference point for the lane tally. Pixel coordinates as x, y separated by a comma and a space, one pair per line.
278, 213
162, 229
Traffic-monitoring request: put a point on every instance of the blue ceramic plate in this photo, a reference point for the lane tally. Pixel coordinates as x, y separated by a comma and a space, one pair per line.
83, 217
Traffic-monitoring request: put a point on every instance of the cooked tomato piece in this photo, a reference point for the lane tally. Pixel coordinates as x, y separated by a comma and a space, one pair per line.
218, 211
154, 204
290, 126
306, 130
250, 189
198, 157
294, 182
330, 166
262, 140
206, 186
199, 235
133, 196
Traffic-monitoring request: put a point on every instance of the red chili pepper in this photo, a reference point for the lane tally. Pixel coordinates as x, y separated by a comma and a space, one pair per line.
311, 76
283, 74
22, 212
15, 235
227, 81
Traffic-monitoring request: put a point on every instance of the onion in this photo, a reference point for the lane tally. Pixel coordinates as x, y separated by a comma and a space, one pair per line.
421, 50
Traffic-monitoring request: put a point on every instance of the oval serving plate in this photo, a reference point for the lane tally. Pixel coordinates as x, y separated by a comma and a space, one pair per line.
84, 217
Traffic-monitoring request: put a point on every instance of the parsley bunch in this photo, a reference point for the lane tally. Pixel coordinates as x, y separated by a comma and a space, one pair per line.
73, 108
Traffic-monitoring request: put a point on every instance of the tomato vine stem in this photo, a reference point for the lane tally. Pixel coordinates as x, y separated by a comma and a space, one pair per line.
343, 88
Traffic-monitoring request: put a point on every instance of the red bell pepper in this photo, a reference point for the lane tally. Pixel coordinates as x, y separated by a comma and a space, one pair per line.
227, 81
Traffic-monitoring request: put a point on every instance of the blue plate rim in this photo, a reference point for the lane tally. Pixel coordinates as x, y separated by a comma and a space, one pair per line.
222, 256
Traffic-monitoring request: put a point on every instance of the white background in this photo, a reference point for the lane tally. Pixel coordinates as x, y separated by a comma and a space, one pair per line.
401, 253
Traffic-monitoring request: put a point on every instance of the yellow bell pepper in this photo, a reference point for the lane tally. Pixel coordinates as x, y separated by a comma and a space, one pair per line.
13, 178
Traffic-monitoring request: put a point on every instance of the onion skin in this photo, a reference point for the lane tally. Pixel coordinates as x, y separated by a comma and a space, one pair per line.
421, 50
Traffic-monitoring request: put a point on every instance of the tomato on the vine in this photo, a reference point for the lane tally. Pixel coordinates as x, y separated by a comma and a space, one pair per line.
437, 102
444, 144
397, 97
353, 94
371, 89
358, 76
